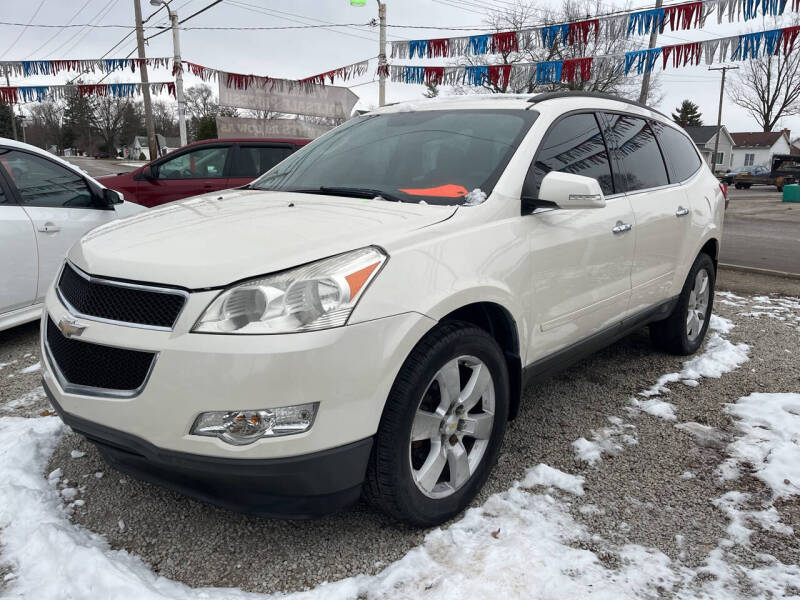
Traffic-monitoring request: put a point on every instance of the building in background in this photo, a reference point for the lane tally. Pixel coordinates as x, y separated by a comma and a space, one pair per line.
138, 149
753, 148
704, 137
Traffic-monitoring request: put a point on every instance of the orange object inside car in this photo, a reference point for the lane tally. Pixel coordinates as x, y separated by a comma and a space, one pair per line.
449, 190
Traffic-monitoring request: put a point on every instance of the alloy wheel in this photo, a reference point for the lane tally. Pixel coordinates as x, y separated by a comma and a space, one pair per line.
697, 311
452, 427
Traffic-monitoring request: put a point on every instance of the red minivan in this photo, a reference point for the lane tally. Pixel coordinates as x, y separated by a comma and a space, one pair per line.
201, 167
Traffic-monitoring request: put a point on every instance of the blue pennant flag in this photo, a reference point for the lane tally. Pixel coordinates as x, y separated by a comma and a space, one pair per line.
553, 34
549, 72
420, 47
415, 74
478, 44
33, 93
477, 74
646, 21
644, 60
122, 90
772, 39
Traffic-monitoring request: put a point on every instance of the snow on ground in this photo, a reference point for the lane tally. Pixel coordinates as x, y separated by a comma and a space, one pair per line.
609, 440
770, 441
31, 369
25, 400
719, 356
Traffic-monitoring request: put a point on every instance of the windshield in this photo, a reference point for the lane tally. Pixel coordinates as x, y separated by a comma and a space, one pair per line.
436, 156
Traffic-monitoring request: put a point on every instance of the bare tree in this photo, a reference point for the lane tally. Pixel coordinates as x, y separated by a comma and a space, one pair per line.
606, 76
108, 116
164, 119
768, 88
46, 128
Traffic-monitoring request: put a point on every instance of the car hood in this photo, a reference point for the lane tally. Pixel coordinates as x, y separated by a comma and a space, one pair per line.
216, 239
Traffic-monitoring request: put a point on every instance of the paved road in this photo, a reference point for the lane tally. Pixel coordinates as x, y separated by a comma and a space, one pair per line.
761, 231
98, 168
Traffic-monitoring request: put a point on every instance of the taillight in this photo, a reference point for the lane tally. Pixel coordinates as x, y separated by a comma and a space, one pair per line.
724, 189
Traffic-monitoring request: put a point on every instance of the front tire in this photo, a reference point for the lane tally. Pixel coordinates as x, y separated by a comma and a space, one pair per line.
682, 333
442, 426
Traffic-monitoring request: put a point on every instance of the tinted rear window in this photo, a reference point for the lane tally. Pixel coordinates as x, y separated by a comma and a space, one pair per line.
637, 154
253, 161
679, 152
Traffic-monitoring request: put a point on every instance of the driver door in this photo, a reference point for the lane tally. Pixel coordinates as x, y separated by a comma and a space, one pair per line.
193, 172
580, 267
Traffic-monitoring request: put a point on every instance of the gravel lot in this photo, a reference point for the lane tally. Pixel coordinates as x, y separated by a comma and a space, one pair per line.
641, 495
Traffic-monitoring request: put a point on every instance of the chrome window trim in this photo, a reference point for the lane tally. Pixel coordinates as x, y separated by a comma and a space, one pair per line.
122, 284
85, 390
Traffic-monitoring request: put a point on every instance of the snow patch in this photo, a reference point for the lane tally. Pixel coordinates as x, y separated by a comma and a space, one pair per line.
608, 440
547, 476
475, 197
30, 369
770, 444
77, 454
27, 399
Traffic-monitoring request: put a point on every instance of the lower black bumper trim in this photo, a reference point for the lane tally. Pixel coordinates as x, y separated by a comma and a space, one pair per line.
298, 487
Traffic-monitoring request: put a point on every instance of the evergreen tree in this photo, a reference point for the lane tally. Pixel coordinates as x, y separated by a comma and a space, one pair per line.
6, 115
78, 128
688, 115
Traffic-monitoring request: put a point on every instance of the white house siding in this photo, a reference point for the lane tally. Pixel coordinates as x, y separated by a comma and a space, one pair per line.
763, 156
725, 147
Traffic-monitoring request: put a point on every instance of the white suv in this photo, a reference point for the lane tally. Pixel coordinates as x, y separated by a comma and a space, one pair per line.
364, 316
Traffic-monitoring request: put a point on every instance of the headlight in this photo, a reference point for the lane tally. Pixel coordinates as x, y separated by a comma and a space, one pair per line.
319, 295
242, 427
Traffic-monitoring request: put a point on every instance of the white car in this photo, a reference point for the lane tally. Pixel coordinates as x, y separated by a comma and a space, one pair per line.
364, 316
46, 205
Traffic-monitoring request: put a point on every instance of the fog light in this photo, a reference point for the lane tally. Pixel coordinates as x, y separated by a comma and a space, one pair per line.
242, 427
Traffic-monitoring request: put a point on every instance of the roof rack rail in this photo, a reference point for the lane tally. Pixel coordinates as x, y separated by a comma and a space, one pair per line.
577, 94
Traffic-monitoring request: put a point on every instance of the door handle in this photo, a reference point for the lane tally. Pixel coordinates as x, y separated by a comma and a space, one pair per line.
681, 212
621, 227
48, 228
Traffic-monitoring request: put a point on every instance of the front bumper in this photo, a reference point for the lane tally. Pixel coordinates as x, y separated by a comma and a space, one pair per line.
347, 370
301, 487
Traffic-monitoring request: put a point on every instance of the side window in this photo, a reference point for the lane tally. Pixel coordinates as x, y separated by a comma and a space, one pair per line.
679, 152
573, 145
253, 161
41, 182
203, 163
637, 154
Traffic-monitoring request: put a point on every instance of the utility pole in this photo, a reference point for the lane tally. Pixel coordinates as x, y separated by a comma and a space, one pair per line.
652, 44
719, 114
13, 116
382, 54
176, 45
148, 108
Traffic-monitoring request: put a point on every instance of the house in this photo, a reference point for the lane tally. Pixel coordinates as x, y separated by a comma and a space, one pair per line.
704, 137
758, 147
139, 146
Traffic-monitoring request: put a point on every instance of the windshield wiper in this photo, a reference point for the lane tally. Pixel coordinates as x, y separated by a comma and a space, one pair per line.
353, 192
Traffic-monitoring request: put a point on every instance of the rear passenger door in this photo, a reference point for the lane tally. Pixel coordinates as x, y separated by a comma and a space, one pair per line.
580, 267
661, 208
253, 160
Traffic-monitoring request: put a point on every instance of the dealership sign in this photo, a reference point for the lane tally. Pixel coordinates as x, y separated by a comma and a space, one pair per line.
232, 127
319, 101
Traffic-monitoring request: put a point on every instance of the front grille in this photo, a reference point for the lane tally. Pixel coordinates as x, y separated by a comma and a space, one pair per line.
119, 302
92, 365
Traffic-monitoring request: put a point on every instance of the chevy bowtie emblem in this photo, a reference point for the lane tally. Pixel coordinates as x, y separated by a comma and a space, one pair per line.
70, 327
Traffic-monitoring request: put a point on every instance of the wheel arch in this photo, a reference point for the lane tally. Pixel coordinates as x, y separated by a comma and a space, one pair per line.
498, 322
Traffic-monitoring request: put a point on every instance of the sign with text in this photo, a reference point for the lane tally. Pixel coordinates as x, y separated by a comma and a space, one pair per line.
319, 101
232, 127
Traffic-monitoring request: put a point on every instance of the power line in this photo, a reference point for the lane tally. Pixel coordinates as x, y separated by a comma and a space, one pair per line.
24, 29
60, 31
82, 29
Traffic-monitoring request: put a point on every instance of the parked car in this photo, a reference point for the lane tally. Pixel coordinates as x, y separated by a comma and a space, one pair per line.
363, 317
727, 178
785, 169
46, 205
201, 167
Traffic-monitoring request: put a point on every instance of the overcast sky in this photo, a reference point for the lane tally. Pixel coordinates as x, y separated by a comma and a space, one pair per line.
295, 53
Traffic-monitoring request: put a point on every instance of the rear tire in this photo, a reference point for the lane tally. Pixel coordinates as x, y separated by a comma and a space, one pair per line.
425, 468
682, 333
738, 186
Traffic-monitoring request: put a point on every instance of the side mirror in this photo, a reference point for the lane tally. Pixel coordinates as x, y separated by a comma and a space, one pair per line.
571, 192
149, 172
112, 197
